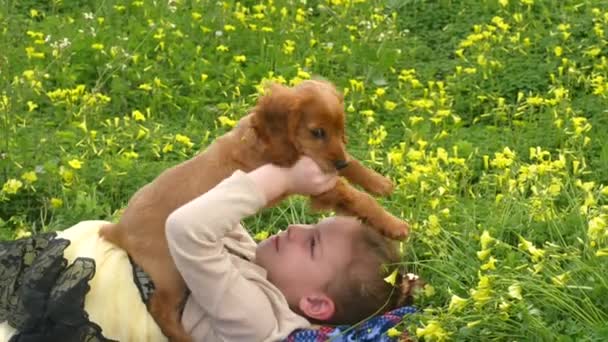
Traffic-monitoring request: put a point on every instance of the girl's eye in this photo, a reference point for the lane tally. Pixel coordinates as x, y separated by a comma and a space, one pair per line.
318, 133
312, 246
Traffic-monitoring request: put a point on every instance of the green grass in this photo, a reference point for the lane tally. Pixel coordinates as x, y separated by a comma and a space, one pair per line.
489, 115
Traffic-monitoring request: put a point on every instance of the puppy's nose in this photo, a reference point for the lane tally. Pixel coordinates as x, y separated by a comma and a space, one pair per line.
340, 164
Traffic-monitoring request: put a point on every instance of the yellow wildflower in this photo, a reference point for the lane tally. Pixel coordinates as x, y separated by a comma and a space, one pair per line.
393, 332
22, 233
12, 186
75, 164
29, 177
537, 253
597, 228
515, 291
457, 303
392, 278
490, 265
240, 58
432, 332
145, 86
226, 121
560, 280
138, 116
485, 240
56, 202
184, 140
31, 106
389, 105
483, 254
482, 294
263, 235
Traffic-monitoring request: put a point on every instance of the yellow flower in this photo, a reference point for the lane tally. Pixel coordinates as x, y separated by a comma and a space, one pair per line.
390, 105
434, 227
377, 136
485, 240
457, 303
432, 332
56, 202
392, 332
184, 140
130, 154
240, 58
289, 47
12, 186
515, 291
22, 233
558, 51
490, 265
482, 294
31, 106
263, 235
145, 86
392, 278
602, 252
226, 121
97, 46
429, 290
167, 148
222, 48
29, 177
75, 164
415, 119
483, 255
537, 253
138, 116
597, 226
395, 157
561, 279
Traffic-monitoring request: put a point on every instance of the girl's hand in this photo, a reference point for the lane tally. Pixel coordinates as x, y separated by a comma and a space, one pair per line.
305, 177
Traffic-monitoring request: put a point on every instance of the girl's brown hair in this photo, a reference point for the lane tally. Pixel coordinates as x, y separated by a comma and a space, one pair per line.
359, 290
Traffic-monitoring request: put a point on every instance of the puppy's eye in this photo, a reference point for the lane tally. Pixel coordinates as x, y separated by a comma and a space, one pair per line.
318, 133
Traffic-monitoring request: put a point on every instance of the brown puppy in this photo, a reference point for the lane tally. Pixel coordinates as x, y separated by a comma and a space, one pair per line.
286, 124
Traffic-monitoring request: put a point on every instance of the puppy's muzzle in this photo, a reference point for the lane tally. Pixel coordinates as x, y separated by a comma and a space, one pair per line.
340, 164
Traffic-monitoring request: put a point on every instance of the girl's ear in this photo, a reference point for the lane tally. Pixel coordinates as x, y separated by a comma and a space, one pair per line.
275, 119
317, 306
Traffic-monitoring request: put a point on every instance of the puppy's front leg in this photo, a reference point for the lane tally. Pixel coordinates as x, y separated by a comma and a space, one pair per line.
367, 178
346, 200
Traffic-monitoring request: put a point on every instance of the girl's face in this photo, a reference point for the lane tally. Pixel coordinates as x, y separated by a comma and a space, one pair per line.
303, 259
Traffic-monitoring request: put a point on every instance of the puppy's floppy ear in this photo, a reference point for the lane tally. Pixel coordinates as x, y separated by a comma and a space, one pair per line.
275, 120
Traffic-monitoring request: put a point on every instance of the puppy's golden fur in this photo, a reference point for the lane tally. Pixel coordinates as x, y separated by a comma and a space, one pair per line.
286, 124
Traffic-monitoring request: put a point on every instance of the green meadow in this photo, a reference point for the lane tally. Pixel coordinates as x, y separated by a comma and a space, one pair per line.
489, 115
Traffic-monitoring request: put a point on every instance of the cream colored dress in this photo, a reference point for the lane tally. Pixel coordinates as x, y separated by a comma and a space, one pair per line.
113, 299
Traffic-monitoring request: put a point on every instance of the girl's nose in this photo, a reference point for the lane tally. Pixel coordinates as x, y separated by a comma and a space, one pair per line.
294, 231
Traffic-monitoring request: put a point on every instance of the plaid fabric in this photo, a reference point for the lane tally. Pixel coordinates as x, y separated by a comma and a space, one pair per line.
373, 330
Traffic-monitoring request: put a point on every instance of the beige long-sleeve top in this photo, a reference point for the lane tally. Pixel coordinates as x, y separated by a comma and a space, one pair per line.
231, 299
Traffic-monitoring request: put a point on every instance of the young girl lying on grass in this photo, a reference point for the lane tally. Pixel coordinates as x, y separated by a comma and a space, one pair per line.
329, 272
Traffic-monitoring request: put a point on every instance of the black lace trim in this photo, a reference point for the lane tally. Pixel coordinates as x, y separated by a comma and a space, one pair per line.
142, 281
41, 296
145, 285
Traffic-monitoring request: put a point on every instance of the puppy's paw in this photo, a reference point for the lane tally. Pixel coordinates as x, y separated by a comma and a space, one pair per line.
392, 227
380, 185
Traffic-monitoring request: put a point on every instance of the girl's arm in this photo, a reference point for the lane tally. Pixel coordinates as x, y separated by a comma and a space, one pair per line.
240, 310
